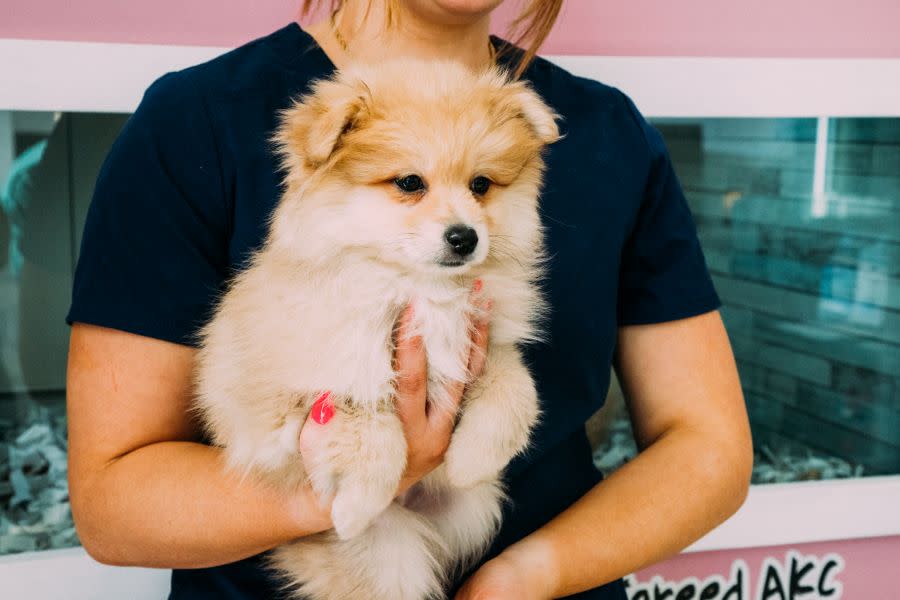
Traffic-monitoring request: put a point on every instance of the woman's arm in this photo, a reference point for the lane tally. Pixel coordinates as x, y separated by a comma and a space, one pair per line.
145, 492
682, 388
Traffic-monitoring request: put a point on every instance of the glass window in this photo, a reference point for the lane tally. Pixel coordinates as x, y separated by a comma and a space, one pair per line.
48, 164
800, 224
799, 220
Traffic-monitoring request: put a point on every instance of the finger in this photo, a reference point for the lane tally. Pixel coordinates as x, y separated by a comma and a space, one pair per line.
478, 351
442, 420
313, 432
411, 366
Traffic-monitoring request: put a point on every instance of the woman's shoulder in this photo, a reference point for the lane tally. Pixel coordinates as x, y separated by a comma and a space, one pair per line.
573, 93
596, 112
275, 66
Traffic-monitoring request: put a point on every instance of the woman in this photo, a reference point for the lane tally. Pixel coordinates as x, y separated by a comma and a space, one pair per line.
183, 198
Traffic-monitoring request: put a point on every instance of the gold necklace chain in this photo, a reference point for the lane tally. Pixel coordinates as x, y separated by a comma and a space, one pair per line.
345, 46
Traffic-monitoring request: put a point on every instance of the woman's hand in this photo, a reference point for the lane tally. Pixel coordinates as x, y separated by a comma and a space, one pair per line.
427, 429
524, 571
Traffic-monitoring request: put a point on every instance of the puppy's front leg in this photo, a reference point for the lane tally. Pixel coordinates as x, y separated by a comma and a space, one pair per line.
361, 466
498, 413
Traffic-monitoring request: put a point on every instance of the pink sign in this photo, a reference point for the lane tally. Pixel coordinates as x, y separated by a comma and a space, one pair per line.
850, 569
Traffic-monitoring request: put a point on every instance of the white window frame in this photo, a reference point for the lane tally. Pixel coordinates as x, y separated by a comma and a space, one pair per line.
101, 77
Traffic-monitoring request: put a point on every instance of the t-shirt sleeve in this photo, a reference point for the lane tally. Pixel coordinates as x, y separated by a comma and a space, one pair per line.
663, 273
154, 251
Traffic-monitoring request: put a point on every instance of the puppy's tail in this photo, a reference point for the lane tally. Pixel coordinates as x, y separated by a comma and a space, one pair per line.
396, 558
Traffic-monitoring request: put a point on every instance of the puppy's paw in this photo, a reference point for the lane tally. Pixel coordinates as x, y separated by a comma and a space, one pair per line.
469, 464
355, 507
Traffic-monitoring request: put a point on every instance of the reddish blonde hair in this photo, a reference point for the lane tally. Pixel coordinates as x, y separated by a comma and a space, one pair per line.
528, 30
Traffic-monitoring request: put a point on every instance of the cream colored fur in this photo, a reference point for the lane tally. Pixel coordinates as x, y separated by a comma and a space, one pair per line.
317, 306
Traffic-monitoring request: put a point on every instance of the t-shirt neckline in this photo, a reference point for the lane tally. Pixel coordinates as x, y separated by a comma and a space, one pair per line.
306, 43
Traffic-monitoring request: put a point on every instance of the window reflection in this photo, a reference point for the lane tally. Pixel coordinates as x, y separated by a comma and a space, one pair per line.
48, 163
800, 224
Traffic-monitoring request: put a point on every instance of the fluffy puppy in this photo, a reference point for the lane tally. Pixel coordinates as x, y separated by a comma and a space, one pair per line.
404, 184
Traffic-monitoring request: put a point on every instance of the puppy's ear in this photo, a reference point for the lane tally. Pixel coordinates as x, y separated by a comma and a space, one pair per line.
518, 100
311, 130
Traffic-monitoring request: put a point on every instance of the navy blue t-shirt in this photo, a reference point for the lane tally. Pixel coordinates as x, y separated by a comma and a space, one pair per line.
186, 191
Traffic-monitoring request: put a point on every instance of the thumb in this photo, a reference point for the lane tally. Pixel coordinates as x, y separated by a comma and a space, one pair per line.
314, 430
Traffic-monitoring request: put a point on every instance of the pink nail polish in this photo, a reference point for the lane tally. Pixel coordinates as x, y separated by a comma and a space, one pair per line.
476, 287
323, 408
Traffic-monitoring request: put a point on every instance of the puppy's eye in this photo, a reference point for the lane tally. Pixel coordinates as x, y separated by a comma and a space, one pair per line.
480, 185
410, 183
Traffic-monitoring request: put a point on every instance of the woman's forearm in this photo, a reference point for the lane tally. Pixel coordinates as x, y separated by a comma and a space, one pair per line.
167, 503
671, 494
174, 505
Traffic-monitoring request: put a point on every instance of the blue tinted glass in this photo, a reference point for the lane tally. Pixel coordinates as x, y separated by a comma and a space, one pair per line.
800, 224
48, 164
799, 220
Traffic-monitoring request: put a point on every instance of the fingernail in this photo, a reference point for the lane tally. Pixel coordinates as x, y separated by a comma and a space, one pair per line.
477, 285
323, 408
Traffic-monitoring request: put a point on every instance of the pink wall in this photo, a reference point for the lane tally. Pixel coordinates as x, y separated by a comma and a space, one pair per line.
760, 28
797, 28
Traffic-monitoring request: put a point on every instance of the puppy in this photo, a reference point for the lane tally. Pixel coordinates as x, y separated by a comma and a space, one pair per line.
404, 183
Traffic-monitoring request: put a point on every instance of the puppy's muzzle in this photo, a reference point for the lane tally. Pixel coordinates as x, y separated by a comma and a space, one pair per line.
461, 240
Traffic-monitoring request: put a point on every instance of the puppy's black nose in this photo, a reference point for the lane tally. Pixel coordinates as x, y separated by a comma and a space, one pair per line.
462, 239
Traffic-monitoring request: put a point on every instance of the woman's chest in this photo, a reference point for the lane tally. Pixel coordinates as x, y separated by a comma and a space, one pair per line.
587, 204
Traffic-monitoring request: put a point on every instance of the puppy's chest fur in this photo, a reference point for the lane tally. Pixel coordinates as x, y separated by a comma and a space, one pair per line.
304, 330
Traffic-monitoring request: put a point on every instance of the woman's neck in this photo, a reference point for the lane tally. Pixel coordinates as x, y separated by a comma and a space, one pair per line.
369, 38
